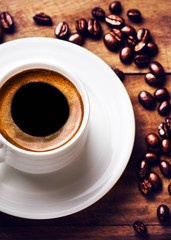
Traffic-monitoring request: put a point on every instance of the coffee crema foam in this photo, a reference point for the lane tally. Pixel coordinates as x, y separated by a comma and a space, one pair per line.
11, 131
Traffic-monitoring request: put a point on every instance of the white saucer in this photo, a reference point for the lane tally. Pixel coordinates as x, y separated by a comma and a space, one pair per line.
109, 144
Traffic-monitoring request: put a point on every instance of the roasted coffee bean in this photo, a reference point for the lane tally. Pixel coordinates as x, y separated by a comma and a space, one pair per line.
153, 143
76, 38
141, 60
7, 21
168, 124
140, 47
152, 158
115, 7
163, 213
43, 19
111, 42
169, 188
165, 168
161, 94
143, 169
98, 13
163, 131
164, 108
131, 40
156, 68
152, 49
145, 187
128, 30
146, 100
134, 15
140, 228
143, 35
152, 80
126, 55
118, 34
94, 28
114, 21
81, 26
62, 30
166, 146
119, 73
155, 180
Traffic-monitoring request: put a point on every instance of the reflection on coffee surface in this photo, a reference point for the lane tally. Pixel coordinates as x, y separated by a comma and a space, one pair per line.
40, 110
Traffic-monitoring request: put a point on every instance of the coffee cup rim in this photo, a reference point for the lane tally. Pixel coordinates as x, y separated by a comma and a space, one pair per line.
46, 64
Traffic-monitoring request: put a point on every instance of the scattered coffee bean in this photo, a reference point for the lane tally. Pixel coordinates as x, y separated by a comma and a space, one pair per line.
163, 130
43, 19
143, 35
169, 188
126, 55
131, 40
146, 100
161, 94
142, 60
115, 7
114, 21
140, 47
7, 21
153, 142
168, 124
140, 228
156, 68
152, 158
164, 108
152, 80
62, 30
128, 30
145, 187
143, 169
94, 28
155, 180
166, 146
81, 26
76, 38
111, 42
152, 49
165, 168
98, 13
119, 73
163, 213
134, 15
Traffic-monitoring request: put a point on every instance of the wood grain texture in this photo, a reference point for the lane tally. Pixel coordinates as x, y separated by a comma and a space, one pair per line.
112, 216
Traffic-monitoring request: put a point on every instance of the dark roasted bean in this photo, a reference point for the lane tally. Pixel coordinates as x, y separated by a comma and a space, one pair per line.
140, 47
114, 21
62, 30
134, 15
156, 68
81, 26
140, 228
7, 21
152, 49
143, 34
126, 55
94, 28
131, 40
164, 108
152, 158
161, 94
155, 180
118, 34
169, 188
98, 13
163, 131
128, 30
166, 146
145, 187
152, 80
146, 100
143, 169
141, 60
76, 38
111, 42
119, 73
153, 142
115, 7
165, 168
43, 19
168, 124
163, 213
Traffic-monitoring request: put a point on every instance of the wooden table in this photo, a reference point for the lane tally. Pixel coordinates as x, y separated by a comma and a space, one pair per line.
112, 216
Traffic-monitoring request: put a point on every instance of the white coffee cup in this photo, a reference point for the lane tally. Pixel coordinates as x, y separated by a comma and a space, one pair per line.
53, 160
